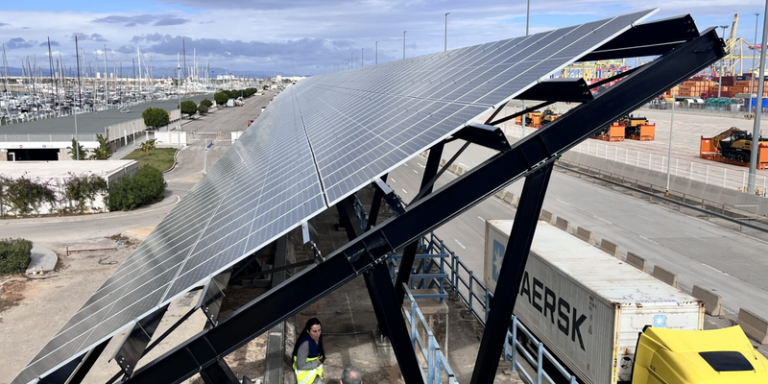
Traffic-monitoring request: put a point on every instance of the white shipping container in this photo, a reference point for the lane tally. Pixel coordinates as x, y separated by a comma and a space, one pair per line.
585, 305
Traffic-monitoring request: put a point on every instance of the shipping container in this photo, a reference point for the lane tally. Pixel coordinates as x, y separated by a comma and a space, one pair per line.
585, 305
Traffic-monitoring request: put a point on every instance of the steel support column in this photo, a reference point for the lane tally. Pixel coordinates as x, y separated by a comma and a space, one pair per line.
385, 301
512, 268
343, 265
378, 194
409, 253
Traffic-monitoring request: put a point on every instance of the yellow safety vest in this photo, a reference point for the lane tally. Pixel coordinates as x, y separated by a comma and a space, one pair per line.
308, 377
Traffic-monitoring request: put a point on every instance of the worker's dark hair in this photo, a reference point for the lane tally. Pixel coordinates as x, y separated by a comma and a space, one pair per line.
311, 323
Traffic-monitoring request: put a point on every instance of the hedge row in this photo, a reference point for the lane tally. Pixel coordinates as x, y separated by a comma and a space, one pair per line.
146, 186
14, 255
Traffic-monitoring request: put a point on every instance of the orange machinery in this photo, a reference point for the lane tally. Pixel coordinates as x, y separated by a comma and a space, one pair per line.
709, 150
615, 132
638, 128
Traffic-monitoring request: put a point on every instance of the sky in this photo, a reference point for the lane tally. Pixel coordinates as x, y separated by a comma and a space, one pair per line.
305, 37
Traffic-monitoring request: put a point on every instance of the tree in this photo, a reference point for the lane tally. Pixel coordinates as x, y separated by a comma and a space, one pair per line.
148, 146
221, 98
77, 152
188, 107
266, 87
202, 110
207, 103
155, 118
103, 152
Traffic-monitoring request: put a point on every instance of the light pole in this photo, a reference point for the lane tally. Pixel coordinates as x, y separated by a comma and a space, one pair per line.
758, 107
377, 53
446, 31
404, 44
720, 83
752, 72
362, 57
527, 17
669, 151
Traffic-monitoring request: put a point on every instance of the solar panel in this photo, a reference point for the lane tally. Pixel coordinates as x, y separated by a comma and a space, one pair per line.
318, 142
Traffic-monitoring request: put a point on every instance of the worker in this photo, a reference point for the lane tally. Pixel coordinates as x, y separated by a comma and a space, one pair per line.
308, 355
351, 375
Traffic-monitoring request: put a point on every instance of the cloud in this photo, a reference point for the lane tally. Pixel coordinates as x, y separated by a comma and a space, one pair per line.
92, 37
3, 24
45, 44
127, 49
19, 43
170, 21
145, 19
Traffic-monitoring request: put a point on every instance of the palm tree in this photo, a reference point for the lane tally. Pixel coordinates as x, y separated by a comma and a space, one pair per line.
77, 149
148, 146
103, 152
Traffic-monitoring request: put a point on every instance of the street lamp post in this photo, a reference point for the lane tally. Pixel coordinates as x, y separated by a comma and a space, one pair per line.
446, 31
758, 107
720, 83
377, 53
669, 151
362, 57
404, 44
527, 18
752, 72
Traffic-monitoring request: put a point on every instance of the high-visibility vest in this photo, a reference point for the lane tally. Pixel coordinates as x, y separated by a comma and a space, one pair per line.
308, 377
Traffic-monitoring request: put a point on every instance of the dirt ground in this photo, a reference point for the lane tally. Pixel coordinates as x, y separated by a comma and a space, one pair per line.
33, 309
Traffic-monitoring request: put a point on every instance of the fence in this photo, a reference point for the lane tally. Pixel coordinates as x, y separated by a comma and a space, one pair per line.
512, 346
702, 172
43, 137
436, 364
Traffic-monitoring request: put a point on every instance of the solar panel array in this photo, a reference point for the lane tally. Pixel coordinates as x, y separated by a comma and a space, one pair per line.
318, 142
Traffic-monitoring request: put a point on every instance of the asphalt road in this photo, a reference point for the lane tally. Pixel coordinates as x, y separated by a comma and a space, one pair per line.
705, 253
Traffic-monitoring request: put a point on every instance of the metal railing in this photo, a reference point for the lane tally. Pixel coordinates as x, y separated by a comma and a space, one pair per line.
33, 137
512, 346
424, 343
709, 174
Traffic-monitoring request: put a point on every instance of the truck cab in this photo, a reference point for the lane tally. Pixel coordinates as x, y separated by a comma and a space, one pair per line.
717, 356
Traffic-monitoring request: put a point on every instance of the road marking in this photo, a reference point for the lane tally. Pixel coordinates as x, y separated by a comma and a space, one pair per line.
406, 164
404, 191
601, 219
714, 269
393, 180
421, 165
563, 202
649, 239
415, 171
459, 243
481, 219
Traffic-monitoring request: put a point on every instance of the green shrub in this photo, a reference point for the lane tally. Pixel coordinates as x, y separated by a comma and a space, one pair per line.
146, 186
25, 195
206, 102
221, 98
81, 190
14, 255
155, 118
188, 107
202, 110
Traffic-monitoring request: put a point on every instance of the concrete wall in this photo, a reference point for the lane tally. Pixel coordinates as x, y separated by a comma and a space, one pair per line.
688, 187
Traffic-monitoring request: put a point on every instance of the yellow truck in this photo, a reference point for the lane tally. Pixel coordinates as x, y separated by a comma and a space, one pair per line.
716, 356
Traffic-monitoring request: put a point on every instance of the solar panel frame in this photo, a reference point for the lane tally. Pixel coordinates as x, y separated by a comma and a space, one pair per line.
135, 294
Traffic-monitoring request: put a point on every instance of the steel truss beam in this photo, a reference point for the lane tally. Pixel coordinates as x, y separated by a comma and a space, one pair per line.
484, 135
511, 274
373, 247
385, 301
571, 90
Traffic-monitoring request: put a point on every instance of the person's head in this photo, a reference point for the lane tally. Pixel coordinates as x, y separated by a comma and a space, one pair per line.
314, 329
352, 375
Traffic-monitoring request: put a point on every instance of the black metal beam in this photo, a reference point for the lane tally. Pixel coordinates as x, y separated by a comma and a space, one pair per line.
567, 90
75, 371
134, 344
380, 187
518, 113
496, 112
510, 275
358, 256
384, 300
219, 373
212, 297
273, 370
648, 39
409, 253
485, 135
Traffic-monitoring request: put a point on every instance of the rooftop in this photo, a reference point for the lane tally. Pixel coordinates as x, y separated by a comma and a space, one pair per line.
59, 169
